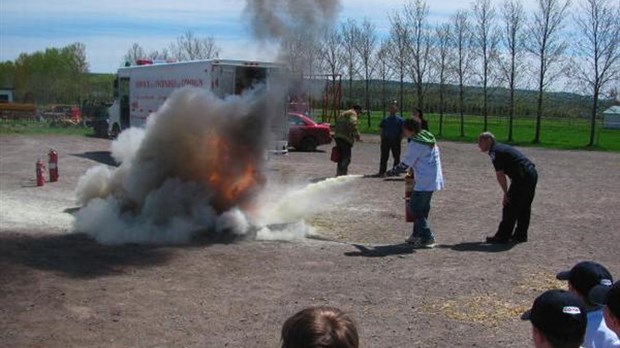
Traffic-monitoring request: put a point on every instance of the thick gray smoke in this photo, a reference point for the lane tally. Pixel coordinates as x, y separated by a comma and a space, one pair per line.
278, 19
295, 26
284, 20
197, 167
199, 160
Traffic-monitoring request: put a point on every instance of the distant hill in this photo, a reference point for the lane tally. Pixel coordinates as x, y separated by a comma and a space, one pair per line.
556, 104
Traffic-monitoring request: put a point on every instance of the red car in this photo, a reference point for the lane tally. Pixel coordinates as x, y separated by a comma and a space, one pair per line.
304, 134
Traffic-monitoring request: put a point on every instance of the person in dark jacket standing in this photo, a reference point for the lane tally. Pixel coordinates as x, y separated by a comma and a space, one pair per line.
391, 129
517, 200
345, 134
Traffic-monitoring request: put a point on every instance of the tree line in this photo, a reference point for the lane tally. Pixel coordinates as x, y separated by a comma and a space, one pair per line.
61, 76
491, 46
56, 75
482, 54
186, 47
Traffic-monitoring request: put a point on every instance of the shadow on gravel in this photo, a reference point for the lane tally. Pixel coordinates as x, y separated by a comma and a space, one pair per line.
104, 157
382, 250
478, 246
319, 179
394, 179
75, 255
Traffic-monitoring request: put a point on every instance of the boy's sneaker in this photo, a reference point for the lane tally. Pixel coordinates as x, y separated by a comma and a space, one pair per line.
428, 244
413, 240
497, 240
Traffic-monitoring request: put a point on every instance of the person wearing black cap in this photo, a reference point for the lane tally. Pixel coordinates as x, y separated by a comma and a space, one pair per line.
610, 297
558, 320
517, 201
582, 278
345, 134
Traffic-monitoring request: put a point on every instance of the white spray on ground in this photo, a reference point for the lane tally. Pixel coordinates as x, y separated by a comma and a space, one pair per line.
289, 207
197, 168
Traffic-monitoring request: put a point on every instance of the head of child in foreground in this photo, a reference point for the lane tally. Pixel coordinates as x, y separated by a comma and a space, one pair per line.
319, 327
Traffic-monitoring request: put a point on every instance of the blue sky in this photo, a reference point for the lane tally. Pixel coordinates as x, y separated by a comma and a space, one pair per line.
108, 28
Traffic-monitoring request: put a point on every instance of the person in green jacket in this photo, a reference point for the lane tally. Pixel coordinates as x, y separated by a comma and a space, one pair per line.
345, 134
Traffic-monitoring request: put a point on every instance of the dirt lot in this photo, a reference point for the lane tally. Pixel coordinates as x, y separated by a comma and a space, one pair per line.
59, 289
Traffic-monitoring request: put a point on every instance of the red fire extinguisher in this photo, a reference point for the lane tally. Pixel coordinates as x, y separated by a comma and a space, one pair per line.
40, 170
53, 165
408, 190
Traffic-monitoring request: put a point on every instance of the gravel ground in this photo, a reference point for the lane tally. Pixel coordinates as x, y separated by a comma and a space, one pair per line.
60, 289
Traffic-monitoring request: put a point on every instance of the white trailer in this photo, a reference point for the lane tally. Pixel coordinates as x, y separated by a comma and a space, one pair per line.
141, 90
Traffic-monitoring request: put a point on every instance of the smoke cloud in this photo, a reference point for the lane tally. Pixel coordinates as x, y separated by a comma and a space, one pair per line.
199, 165
279, 19
198, 168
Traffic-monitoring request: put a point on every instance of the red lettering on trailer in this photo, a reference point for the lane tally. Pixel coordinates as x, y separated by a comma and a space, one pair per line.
191, 82
166, 83
142, 84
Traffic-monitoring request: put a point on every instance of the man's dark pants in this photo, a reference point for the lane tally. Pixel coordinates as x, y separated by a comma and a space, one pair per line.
518, 210
388, 145
345, 156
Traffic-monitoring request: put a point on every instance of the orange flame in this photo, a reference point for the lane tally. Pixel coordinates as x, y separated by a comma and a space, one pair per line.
229, 172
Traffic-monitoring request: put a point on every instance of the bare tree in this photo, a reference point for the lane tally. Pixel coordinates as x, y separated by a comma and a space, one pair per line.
613, 94
513, 63
597, 51
164, 54
384, 70
416, 14
399, 36
366, 45
349, 31
547, 46
331, 52
461, 39
442, 59
133, 54
486, 39
190, 47
331, 59
296, 50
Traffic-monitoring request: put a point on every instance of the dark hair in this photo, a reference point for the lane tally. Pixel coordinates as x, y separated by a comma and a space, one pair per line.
613, 300
420, 113
557, 341
356, 107
319, 327
413, 124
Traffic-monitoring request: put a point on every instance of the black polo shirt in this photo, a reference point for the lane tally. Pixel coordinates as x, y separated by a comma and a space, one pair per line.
510, 160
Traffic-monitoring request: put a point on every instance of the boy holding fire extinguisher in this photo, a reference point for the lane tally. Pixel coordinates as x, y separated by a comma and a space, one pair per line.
422, 155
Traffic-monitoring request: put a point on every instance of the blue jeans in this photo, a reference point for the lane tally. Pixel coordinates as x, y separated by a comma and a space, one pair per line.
420, 206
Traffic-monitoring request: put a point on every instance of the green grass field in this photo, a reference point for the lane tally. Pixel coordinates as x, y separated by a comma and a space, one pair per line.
34, 127
554, 133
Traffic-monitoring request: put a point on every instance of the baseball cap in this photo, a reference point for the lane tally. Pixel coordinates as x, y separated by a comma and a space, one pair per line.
585, 275
558, 313
607, 295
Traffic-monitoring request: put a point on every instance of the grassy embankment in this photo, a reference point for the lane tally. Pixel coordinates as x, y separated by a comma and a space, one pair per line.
41, 128
554, 133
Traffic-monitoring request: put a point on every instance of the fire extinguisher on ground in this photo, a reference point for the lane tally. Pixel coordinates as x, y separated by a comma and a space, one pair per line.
408, 190
40, 171
53, 165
